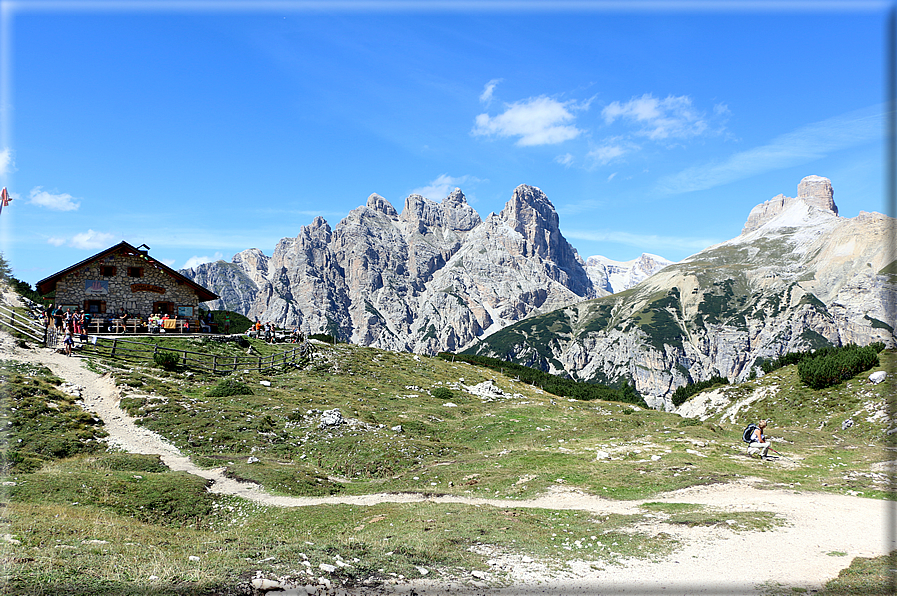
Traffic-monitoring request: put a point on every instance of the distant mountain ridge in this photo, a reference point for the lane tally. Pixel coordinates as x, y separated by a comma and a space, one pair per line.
434, 277
799, 276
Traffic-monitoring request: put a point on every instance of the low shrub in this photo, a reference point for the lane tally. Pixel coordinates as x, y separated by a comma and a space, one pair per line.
166, 360
442, 393
228, 387
681, 395
832, 367
323, 337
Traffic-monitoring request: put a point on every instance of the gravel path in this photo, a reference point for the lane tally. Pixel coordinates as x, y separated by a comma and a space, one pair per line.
822, 533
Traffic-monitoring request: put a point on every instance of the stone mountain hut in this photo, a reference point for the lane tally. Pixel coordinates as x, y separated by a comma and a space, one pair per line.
126, 278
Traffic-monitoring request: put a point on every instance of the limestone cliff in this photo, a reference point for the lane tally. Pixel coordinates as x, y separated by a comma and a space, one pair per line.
433, 277
798, 277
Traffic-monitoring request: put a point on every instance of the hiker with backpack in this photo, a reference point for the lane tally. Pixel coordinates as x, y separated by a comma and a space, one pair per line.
756, 440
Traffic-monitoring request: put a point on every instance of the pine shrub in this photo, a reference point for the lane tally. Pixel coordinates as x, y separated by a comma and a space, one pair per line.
229, 387
832, 367
167, 360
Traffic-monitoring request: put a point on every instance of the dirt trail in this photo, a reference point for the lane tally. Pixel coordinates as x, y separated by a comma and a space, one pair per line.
822, 534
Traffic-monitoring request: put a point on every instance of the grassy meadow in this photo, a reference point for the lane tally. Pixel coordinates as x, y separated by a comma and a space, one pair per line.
77, 519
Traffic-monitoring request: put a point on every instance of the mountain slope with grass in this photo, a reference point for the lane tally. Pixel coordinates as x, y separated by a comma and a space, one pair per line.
377, 472
798, 277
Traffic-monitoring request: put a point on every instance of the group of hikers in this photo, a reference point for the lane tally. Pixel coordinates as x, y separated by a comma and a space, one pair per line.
269, 332
68, 323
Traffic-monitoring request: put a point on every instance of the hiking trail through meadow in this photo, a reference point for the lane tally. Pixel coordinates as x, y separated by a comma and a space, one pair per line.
821, 534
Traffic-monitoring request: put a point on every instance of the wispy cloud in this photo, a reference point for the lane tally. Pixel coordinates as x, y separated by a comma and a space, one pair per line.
88, 240
537, 121
610, 149
580, 207
54, 202
443, 186
195, 261
672, 117
803, 145
565, 160
486, 95
643, 241
6, 162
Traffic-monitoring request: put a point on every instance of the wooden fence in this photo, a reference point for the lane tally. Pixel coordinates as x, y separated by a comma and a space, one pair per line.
16, 322
125, 348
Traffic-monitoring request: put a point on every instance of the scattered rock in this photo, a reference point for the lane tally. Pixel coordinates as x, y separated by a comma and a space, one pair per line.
847, 424
602, 455
252, 460
327, 567
193, 558
331, 418
397, 428
877, 377
265, 383
265, 585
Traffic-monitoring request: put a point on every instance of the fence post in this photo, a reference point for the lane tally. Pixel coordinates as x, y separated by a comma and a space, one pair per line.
260, 363
214, 364
235, 364
114, 343
185, 357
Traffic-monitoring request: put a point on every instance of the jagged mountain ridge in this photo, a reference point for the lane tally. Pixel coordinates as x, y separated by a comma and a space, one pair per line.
799, 276
433, 277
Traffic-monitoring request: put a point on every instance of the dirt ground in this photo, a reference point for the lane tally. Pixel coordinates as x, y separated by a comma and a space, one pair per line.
821, 535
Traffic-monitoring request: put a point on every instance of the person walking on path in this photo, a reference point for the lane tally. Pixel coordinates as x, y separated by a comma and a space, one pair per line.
759, 441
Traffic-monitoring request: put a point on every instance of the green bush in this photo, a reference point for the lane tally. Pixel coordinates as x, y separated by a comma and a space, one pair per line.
229, 387
681, 395
831, 368
167, 360
554, 384
442, 393
323, 337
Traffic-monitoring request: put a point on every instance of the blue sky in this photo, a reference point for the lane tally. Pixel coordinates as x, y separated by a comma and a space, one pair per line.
203, 129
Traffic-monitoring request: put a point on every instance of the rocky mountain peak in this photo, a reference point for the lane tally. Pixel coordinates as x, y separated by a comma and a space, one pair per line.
455, 199
817, 191
318, 229
529, 208
378, 203
814, 191
253, 257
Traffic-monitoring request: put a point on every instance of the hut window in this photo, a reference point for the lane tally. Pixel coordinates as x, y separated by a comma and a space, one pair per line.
107, 270
135, 271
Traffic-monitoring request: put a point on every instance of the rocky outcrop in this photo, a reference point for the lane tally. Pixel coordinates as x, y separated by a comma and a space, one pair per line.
802, 279
813, 191
433, 277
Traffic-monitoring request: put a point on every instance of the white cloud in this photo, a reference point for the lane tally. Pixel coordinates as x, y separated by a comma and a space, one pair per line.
565, 160
486, 95
6, 165
643, 241
606, 153
55, 202
611, 177
195, 261
85, 240
537, 121
92, 240
673, 117
803, 145
443, 186
169, 262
